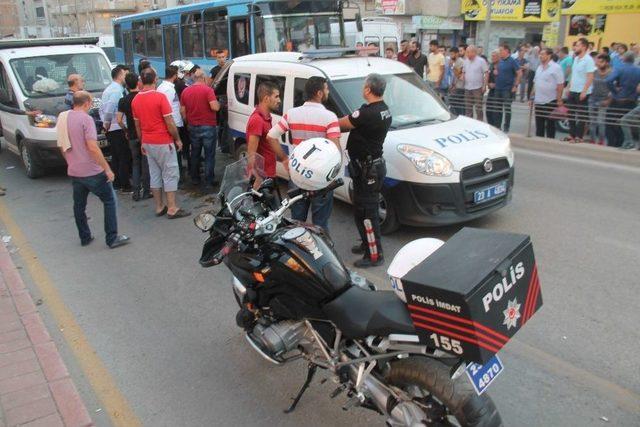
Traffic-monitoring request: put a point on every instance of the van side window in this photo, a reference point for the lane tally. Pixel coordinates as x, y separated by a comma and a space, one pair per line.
279, 81
7, 97
373, 41
390, 42
298, 97
241, 86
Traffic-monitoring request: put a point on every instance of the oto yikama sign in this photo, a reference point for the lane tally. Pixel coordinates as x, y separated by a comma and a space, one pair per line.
512, 10
390, 7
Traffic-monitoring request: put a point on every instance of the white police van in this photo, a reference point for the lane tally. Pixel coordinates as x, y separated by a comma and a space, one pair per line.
33, 78
441, 168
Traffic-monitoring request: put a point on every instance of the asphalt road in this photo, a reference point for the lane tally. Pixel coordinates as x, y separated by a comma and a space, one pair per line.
165, 330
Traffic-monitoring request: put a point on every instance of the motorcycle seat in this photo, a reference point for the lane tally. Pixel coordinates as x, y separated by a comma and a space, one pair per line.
359, 313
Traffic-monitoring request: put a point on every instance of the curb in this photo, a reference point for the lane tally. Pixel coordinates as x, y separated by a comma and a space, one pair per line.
35, 386
582, 150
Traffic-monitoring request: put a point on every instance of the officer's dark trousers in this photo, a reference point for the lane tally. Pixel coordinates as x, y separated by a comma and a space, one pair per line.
367, 185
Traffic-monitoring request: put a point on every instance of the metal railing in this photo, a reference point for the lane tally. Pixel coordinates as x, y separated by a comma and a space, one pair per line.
494, 109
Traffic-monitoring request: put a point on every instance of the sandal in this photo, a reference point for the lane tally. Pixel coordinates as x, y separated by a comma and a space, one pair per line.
163, 212
180, 213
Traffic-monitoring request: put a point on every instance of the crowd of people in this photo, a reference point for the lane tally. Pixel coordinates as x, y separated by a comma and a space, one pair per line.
596, 90
158, 134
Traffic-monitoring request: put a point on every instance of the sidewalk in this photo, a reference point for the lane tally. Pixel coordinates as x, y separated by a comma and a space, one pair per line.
35, 387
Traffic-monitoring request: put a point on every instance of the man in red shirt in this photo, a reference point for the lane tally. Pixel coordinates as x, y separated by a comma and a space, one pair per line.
199, 108
260, 124
154, 123
403, 55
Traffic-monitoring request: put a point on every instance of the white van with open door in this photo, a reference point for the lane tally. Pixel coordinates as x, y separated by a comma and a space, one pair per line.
33, 78
382, 32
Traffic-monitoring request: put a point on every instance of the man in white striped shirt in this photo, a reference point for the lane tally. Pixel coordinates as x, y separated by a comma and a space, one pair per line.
310, 120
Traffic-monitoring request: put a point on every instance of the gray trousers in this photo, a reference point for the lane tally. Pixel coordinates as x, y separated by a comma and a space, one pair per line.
627, 122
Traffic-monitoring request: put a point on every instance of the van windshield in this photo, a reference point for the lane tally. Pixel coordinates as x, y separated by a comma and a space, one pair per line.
409, 99
46, 76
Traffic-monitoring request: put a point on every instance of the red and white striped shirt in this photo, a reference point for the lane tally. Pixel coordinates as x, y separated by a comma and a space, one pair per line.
310, 120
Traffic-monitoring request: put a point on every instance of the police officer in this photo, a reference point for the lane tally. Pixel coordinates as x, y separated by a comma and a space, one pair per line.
369, 126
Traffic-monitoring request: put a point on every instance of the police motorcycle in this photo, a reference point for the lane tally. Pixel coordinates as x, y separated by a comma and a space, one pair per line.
297, 300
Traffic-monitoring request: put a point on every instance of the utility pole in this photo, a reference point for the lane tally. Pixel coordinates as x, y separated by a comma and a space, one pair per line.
487, 26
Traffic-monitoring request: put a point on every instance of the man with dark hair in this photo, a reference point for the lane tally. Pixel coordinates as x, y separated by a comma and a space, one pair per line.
153, 117
417, 60
143, 65
507, 82
599, 100
616, 60
310, 120
140, 166
580, 87
456, 90
221, 58
120, 152
546, 95
368, 127
565, 63
199, 108
623, 83
435, 61
403, 54
168, 89
75, 83
259, 125
88, 169
389, 53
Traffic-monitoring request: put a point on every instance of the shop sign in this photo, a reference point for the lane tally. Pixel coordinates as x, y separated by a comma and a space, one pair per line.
437, 23
551, 33
512, 10
390, 7
599, 7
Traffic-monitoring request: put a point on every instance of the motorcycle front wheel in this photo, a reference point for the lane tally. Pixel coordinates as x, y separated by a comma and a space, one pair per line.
447, 402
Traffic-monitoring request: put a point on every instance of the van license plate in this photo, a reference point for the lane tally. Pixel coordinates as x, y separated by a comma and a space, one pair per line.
481, 376
490, 193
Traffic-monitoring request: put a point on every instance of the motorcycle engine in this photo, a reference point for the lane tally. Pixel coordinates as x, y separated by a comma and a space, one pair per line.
279, 338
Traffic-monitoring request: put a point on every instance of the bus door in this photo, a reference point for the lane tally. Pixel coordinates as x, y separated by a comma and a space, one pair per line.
240, 30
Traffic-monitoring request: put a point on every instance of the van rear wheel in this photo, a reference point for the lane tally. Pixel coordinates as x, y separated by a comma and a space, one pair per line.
32, 169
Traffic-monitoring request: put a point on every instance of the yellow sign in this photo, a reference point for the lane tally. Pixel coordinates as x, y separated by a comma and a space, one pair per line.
599, 7
550, 33
512, 10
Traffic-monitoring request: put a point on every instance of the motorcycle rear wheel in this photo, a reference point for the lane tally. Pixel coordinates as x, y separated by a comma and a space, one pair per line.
454, 398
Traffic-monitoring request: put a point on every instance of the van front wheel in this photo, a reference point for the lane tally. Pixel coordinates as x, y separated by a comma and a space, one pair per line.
33, 170
387, 210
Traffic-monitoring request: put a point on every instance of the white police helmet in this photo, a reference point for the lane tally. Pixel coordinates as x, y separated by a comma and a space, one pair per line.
411, 254
181, 66
314, 164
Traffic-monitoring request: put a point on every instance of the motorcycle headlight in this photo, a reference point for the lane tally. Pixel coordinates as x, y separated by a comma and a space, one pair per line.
426, 161
44, 121
205, 221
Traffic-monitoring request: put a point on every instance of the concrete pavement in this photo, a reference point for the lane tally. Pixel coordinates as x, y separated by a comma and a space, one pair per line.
163, 328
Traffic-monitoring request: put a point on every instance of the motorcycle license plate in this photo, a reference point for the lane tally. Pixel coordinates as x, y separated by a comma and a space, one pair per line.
490, 193
481, 376
103, 143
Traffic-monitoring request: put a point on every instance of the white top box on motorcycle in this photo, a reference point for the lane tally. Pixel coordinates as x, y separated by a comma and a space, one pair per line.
474, 293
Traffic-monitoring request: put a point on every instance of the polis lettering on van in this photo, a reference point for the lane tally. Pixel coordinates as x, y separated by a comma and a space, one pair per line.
501, 288
459, 138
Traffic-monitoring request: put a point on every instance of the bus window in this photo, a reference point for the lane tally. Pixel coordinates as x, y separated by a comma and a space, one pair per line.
279, 81
259, 42
128, 48
154, 38
117, 36
241, 87
240, 37
139, 47
171, 44
216, 32
192, 35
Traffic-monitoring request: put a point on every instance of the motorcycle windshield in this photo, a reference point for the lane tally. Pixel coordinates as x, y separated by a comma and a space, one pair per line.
238, 176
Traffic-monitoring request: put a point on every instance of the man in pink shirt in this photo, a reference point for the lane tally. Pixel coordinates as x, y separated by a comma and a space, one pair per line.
89, 172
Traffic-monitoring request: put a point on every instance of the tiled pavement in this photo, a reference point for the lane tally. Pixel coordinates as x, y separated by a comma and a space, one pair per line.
35, 387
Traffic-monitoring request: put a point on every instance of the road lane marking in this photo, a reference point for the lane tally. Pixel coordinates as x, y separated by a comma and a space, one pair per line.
103, 384
581, 161
624, 398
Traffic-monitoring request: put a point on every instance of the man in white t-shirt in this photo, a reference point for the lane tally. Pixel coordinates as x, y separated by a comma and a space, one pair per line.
580, 87
547, 93
435, 62
168, 89
475, 74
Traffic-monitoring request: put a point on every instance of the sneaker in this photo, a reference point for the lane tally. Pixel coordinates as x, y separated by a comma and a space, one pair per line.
366, 262
87, 242
120, 241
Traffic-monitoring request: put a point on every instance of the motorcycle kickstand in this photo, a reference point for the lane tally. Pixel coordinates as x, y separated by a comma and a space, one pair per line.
310, 374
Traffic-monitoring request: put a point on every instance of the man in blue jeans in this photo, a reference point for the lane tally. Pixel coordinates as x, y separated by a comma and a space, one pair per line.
89, 171
507, 82
199, 108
